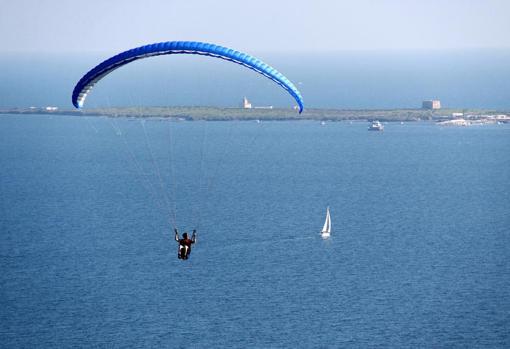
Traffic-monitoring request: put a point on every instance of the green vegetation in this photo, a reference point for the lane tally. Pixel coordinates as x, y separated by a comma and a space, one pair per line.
221, 114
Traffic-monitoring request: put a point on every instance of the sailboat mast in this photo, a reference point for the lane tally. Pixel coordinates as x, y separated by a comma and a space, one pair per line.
327, 224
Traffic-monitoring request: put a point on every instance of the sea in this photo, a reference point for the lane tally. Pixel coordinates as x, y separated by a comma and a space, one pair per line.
365, 79
419, 255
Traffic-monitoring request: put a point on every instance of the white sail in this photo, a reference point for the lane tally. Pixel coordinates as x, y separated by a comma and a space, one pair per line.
326, 229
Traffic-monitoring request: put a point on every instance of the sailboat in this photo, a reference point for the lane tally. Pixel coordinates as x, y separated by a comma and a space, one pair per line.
326, 229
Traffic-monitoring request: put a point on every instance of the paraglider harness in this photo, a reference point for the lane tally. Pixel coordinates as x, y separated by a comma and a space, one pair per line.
185, 244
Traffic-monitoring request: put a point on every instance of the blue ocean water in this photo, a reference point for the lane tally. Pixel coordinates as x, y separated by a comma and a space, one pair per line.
419, 255
345, 80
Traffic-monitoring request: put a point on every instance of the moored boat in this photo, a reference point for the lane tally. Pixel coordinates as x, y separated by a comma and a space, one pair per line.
376, 126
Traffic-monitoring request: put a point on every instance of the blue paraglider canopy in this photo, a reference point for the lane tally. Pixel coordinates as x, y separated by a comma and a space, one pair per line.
84, 86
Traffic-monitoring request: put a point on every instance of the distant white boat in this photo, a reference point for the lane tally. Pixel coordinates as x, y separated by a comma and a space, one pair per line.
376, 126
326, 229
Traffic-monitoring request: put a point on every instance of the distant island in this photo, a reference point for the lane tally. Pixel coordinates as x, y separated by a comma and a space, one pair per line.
225, 114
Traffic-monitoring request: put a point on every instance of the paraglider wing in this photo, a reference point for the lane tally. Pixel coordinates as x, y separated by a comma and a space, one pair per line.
88, 81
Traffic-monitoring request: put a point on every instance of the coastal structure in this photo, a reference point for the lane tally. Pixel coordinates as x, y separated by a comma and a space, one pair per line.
454, 122
431, 104
246, 103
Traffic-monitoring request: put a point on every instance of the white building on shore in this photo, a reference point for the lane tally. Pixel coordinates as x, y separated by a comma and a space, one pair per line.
246, 103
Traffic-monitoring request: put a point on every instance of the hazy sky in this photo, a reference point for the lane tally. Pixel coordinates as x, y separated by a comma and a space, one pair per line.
262, 25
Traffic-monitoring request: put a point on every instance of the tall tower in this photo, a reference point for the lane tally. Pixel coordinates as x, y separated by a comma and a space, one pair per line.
246, 103
431, 104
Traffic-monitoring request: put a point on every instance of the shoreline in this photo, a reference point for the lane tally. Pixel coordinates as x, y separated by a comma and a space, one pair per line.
276, 114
